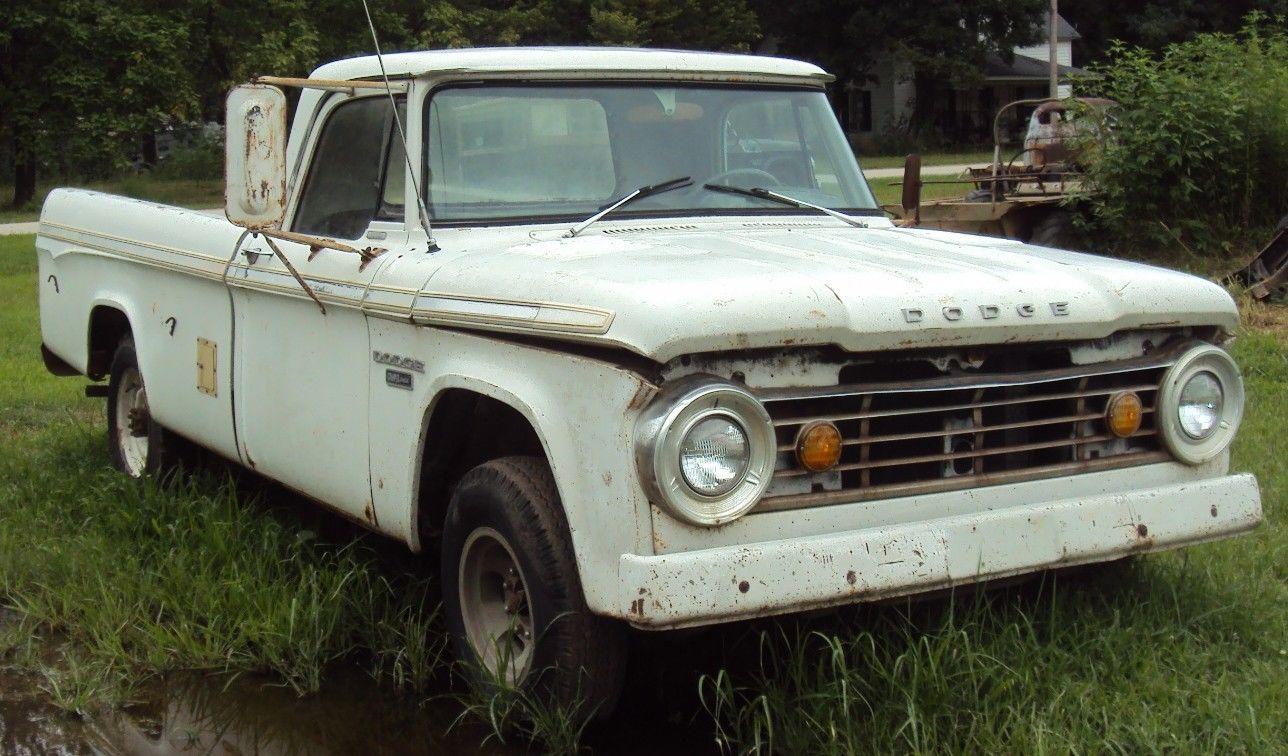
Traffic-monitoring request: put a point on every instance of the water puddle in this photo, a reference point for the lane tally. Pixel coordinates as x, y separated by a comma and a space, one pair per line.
195, 713
207, 714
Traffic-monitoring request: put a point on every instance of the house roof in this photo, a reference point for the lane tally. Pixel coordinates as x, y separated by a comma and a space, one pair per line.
1024, 68
1063, 29
592, 60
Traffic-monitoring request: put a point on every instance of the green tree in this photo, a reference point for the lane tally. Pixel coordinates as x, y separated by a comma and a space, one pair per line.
681, 24
1154, 24
80, 79
948, 39
1200, 150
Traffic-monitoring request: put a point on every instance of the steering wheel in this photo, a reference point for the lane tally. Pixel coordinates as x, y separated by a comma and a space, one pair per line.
754, 173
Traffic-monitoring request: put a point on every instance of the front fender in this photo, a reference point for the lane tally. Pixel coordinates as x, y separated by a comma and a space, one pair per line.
583, 411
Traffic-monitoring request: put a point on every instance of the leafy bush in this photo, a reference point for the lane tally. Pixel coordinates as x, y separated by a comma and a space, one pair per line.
1201, 147
203, 158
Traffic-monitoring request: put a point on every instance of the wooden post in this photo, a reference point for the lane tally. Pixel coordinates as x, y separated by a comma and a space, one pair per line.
1052, 46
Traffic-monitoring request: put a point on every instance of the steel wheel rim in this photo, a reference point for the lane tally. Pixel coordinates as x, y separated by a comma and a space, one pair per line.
495, 609
132, 421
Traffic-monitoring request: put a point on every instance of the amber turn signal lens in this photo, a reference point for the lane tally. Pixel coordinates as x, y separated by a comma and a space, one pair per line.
818, 446
1123, 414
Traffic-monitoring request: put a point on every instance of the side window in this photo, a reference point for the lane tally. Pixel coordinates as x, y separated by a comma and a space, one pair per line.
352, 178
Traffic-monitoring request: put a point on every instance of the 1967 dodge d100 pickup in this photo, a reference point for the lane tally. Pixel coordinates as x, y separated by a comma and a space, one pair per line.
621, 338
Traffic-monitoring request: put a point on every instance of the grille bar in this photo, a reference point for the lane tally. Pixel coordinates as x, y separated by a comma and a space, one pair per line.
965, 431
969, 455
961, 407
846, 496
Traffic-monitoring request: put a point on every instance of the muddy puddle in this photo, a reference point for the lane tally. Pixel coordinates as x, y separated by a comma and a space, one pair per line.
195, 713
212, 714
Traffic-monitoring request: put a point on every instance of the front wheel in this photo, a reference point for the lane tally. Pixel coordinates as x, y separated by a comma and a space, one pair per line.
512, 594
139, 445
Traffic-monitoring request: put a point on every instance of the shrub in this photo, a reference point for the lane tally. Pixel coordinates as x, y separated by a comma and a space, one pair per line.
1201, 146
201, 159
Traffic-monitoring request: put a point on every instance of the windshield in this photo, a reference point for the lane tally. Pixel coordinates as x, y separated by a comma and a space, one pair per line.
554, 151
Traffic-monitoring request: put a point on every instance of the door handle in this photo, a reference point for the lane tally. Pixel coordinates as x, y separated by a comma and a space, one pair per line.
252, 254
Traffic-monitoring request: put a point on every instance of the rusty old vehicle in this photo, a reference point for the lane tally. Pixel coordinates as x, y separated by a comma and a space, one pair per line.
1266, 275
1028, 194
623, 340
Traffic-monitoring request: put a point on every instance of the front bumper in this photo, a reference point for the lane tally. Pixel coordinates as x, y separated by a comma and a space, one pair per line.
774, 577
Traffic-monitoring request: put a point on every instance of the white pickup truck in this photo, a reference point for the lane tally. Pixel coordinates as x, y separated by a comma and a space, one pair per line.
622, 337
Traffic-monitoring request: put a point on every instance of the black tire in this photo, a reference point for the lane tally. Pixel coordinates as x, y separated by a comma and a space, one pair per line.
578, 658
162, 457
1055, 229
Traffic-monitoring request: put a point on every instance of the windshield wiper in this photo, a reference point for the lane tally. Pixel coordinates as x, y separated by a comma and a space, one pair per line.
641, 193
762, 193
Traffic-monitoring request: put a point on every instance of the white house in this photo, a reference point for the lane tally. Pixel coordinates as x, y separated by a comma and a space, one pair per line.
884, 103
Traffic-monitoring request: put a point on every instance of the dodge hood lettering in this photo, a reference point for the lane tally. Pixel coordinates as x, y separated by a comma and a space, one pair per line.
739, 285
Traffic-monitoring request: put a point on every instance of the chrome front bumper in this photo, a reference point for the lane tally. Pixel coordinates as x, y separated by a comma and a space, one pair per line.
775, 577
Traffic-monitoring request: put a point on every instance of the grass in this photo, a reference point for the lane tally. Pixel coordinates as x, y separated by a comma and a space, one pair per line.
115, 581
889, 191
193, 193
930, 158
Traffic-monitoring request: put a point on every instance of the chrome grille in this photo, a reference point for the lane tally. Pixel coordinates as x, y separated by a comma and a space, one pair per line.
961, 431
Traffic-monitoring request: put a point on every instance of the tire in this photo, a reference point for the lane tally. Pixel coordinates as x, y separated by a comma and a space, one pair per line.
140, 447
1055, 229
505, 521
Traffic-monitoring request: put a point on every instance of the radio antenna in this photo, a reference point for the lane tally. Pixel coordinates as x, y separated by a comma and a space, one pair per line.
423, 211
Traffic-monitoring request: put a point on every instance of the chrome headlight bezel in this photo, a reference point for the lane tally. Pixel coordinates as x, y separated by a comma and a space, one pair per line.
662, 428
1199, 359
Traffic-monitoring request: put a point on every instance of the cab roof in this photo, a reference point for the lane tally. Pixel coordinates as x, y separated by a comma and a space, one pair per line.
588, 60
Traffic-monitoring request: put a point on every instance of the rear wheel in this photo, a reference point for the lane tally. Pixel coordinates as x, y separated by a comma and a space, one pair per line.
1055, 228
139, 445
512, 595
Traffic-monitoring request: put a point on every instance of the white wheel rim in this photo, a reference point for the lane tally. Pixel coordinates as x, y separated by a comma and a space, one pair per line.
132, 421
494, 605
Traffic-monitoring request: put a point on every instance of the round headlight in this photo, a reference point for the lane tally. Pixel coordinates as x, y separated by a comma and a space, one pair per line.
705, 450
1200, 404
714, 455
1199, 407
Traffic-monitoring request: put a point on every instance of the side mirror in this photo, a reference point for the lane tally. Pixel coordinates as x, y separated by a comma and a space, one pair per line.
912, 188
255, 156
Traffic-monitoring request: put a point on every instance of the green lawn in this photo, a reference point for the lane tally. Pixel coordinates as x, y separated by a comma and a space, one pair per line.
928, 158
889, 190
193, 193
1178, 652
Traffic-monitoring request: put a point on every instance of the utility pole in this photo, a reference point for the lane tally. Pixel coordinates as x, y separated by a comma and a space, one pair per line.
1052, 45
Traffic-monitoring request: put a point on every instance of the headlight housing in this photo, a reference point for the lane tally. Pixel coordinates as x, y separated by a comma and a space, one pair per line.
705, 451
1200, 404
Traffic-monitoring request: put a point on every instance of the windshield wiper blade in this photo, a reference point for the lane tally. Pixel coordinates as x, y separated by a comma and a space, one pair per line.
641, 193
763, 193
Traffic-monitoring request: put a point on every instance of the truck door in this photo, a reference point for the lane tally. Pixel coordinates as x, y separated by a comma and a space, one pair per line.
301, 377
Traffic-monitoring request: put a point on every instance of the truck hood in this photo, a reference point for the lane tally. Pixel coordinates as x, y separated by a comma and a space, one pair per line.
715, 287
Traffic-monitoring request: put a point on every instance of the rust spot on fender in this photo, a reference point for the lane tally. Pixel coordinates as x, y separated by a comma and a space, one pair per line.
851, 578
643, 393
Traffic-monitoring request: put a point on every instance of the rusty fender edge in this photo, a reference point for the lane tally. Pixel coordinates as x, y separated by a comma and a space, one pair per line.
776, 577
